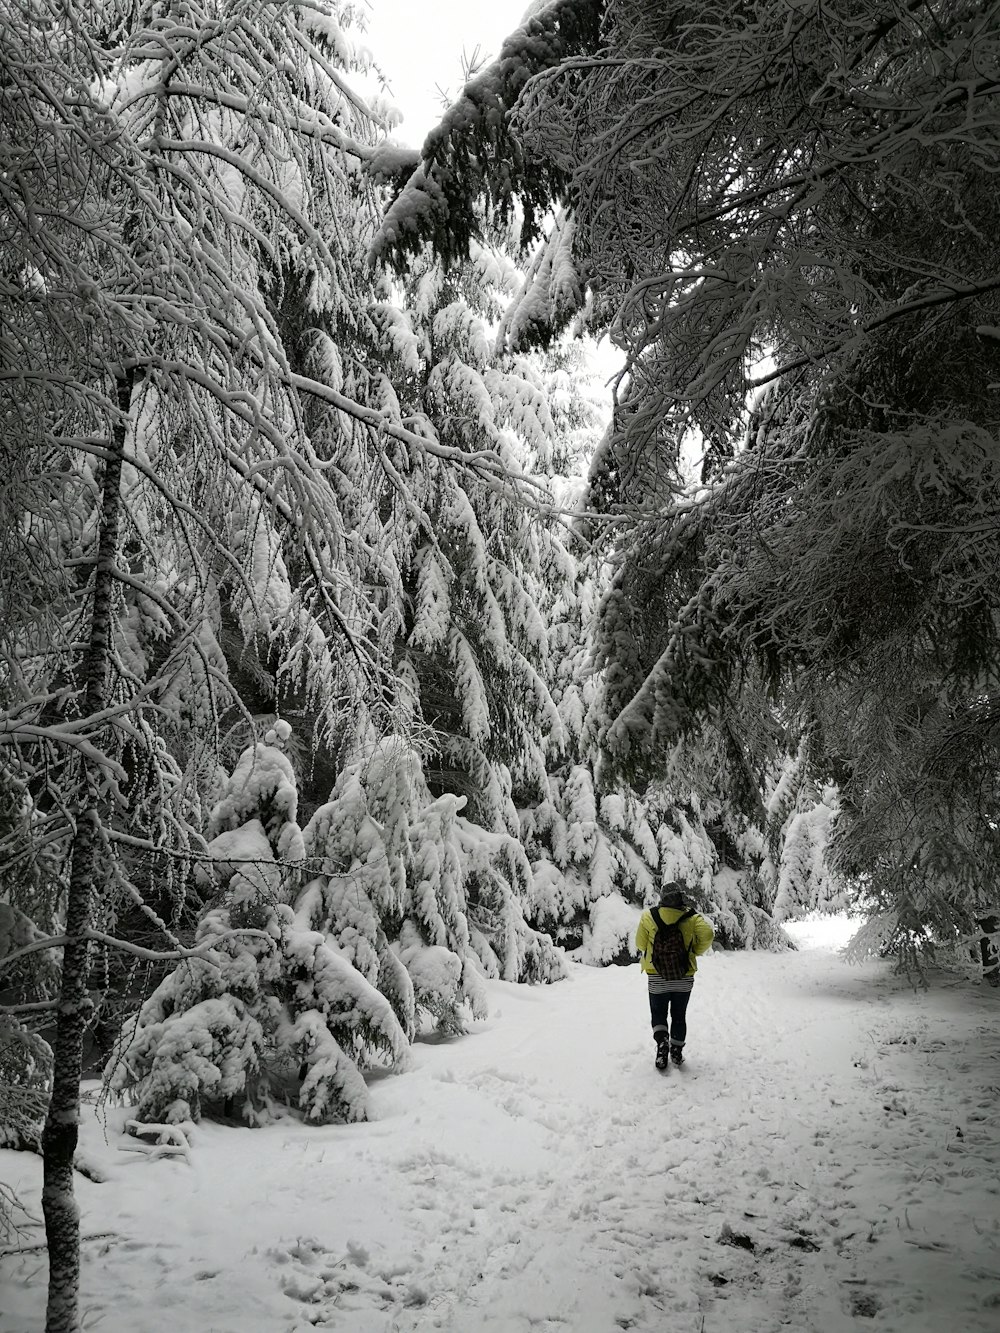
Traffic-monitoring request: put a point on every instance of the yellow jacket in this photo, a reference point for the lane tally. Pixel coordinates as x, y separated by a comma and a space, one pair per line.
695, 931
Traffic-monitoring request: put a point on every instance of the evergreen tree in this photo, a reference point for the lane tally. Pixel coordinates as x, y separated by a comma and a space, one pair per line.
257, 1017
844, 548
471, 664
476, 158
424, 902
178, 549
800, 819
602, 845
832, 565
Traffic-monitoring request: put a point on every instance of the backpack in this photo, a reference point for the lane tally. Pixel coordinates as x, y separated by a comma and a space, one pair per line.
671, 959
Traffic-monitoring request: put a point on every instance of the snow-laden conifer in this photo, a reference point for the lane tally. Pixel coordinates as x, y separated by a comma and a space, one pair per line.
602, 849
257, 1019
423, 901
202, 478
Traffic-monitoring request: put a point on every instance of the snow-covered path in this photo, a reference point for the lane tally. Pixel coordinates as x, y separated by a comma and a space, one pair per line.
827, 1161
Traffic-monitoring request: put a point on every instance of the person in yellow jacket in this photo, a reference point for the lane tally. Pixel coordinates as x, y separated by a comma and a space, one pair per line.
669, 996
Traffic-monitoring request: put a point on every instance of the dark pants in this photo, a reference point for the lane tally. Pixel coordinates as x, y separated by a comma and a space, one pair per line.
669, 1015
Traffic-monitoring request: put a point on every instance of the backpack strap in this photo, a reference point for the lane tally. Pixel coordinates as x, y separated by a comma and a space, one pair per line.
658, 920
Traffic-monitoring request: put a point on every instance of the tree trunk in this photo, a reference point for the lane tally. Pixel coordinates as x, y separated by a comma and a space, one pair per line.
59, 1139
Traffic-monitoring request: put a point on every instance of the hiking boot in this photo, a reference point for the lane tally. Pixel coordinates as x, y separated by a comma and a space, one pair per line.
662, 1055
677, 1054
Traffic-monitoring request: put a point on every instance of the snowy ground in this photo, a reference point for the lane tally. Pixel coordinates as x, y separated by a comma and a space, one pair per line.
828, 1161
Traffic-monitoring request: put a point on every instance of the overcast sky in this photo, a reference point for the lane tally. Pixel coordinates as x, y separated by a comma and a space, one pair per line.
418, 44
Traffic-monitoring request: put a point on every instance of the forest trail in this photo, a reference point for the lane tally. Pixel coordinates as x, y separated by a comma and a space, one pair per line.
826, 1162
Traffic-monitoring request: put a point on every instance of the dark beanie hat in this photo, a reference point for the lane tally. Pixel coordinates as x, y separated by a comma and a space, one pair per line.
672, 895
